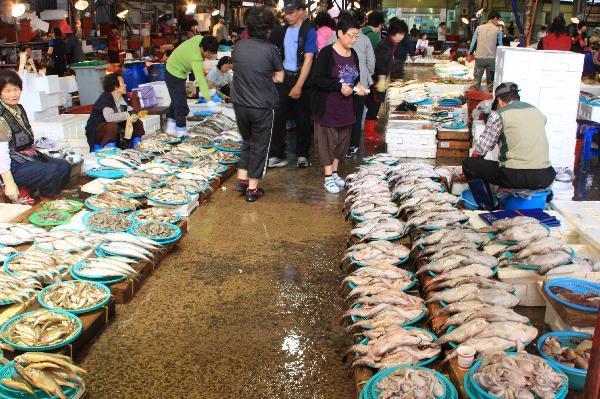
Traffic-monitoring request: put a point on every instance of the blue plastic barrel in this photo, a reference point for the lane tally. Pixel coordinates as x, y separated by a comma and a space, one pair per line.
134, 74
156, 72
537, 201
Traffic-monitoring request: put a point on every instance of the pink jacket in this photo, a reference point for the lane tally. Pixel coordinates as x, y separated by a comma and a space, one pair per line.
323, 35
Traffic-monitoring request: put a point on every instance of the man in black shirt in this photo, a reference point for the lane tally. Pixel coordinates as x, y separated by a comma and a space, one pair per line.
257, 66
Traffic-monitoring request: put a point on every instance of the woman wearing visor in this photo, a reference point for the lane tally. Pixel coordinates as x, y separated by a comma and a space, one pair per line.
21, 165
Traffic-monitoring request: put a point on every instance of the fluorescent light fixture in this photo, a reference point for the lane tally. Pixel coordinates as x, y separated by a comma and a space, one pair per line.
248, 4
575, 20
190, 9
478, 13
465, 21
81, 5
356, 4
122, 14
215, 13
18, 10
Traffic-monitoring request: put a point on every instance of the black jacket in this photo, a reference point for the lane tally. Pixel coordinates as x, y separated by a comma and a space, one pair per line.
323, 81
106, 100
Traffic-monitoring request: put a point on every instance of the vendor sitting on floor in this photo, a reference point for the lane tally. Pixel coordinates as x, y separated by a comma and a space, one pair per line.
518, 128
21, 165
113, 119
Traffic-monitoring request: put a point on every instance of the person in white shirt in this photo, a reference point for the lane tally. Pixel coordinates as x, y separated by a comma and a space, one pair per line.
221, 77
441, 32
422, 45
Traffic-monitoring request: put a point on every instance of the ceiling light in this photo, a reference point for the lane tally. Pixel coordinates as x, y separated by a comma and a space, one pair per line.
465, 21
356, 4
215, 13
18, 10
81, 5
122, 14
575, 20
190, 9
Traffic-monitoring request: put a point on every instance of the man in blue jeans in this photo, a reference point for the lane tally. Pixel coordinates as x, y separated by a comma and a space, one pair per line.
298, 46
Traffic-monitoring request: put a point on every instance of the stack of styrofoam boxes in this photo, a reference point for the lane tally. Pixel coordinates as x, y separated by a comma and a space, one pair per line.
41, 96
549, 80
68, 85
410, 139
161, 92
67, 130
151, 124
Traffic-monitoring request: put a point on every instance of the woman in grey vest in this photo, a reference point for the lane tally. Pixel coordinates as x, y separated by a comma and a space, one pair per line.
518, 129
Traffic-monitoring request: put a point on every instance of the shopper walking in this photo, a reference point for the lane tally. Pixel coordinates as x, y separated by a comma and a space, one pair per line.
336, 79
57, 63
557, 37
73, 49
375, 21
486, 39
324, 24
414, 32
187, 57
258, 67
298, 49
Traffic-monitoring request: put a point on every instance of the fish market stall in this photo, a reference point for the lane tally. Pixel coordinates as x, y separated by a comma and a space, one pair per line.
427, 290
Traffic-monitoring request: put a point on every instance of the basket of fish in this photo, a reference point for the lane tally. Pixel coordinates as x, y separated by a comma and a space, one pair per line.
569, 351
105, 270
153, 146
74, 296
166, 138
197, 174
41, 330
70, 206
157, 169
385, 228
382, 159
106, 152
479, 328
128, 250
134, 155
64, 240
130, 187
42, 376
230, 146
191, 187
408, 382
116, 162
47, 268
108, 200
105, 173
200, 141
576, 294
225, 158
393, 346
162, 233
107, 221
154, 215
174, 160
16, 289
516, 375
50, 218
12, 234
169, 196
191, 151
365, 254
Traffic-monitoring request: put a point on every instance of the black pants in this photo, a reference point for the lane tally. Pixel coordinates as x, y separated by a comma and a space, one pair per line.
178, 109
48, 177
359, 109
297, 109
113, 57
373, 101
491, 172
256, 127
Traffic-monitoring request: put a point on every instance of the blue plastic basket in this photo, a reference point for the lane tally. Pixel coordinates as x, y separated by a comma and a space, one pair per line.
103, 173
370, 389
95, 208
101, 252
561, 394
102, 280
8, 371
75, 311
161, 240
87, 225
576, 376
72, 338
103, 152
578, 286
537, 201
11, 273
356, 319
187, 201
224, 149
133, 214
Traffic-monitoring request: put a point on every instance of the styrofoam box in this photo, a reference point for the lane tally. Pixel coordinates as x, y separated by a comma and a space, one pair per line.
588, 112
34, 102
556, 323
151, 123
561, 61
48, 84
412, 151
61, 127
40, 115
68, 84
525, 283
51, 15
410, 139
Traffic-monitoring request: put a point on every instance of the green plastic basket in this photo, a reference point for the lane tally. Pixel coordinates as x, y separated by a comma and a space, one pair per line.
76, 206
35, 219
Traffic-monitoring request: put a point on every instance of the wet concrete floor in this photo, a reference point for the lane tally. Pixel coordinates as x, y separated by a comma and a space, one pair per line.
247, 306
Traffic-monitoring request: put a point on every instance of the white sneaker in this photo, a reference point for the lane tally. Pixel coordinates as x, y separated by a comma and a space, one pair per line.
302, 162
275, 162
171, 126
330, 185
338, 180
180, 132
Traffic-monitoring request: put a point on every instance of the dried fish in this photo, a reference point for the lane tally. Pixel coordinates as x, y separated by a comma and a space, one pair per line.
155, 214
12, 234
223, 156
74, 295
106, 266
108, 200
169, 195
109, 221
16, 288
44, 267
154, 230
41, 328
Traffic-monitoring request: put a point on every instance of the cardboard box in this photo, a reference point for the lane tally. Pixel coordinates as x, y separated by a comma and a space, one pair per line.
447, 153
454, 144
461, 134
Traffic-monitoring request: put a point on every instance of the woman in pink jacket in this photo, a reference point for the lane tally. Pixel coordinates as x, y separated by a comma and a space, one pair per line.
324, 24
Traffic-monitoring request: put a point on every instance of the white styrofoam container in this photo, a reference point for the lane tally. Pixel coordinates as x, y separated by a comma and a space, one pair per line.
48, 84
51, 15
410, 139
68, 84
413, 151
588, 112
556, 323
561, 61
61, 127
35, 102
40, 115
151, 123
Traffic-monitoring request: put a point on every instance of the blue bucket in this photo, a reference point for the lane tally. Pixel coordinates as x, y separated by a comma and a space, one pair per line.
156, 72
537, 201
134, 74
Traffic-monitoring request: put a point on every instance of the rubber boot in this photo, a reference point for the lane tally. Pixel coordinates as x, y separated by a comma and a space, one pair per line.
134, 141
371, 131
171, 126
482, 193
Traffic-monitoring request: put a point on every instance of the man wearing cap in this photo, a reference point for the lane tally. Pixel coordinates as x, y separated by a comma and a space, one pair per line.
519, 129
484, 43
298, 48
